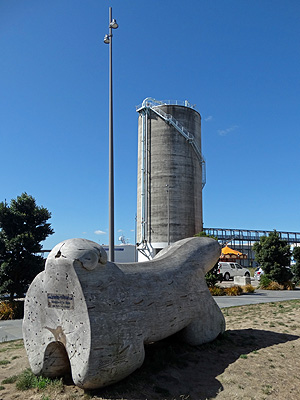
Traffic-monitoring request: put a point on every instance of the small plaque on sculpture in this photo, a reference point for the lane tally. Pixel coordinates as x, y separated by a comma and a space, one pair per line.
64, 301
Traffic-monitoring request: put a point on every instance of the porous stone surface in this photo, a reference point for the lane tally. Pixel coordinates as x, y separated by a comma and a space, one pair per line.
93, 317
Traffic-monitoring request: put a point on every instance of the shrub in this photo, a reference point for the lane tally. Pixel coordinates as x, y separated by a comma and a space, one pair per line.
6, 310
290, 285
11, 310
217, 291
248, 289
275, 286
234, 291
296, 267
264, 282
212, 276
274, 255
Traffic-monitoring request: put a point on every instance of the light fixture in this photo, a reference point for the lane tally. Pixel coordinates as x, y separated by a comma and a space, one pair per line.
113, 24
106, 39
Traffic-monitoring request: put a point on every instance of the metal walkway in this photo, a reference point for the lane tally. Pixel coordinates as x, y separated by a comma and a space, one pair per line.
225, 235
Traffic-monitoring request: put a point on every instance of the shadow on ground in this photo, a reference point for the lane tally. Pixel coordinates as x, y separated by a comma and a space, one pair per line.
175, 370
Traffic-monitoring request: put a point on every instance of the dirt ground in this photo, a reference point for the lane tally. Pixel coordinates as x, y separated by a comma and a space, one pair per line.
258, 358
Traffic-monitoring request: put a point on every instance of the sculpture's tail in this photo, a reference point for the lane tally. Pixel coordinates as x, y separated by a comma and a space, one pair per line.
200, 251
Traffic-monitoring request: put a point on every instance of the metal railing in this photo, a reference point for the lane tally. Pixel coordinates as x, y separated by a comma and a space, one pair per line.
150, 102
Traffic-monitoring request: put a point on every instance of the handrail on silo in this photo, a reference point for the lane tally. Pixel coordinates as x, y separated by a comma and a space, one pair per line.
151, 102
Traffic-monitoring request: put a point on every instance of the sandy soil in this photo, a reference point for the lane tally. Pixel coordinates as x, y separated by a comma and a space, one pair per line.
258, 358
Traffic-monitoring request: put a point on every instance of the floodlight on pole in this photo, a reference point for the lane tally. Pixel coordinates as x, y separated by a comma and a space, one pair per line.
108, 40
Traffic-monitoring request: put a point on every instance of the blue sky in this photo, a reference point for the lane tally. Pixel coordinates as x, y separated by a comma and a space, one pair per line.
237, 60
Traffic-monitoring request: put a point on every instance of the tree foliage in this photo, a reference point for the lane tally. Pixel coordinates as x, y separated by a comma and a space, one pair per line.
23, 225
212, 276
296, 266
274, 255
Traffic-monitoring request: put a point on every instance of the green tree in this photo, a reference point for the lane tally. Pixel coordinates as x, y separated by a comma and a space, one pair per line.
23, 225
274, 256
296, 267
212, 276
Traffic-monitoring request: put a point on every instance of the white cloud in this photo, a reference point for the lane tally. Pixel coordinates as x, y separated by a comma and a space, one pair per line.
120, 230
98, 232
209, 118
224, 132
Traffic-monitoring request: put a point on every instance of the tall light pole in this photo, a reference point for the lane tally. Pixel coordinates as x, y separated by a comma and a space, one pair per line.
108, 40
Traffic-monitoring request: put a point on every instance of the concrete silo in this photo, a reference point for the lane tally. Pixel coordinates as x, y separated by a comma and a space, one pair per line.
171, 174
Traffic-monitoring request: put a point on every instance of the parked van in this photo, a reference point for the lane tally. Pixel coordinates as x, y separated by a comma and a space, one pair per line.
230, 270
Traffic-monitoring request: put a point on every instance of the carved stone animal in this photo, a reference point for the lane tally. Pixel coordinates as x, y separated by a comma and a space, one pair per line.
94, 317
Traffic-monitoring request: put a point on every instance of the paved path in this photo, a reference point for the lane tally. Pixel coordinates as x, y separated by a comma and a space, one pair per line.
260, 296
12, 330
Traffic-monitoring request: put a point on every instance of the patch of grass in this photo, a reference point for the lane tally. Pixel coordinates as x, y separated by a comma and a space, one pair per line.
293, 327
18, 344
11, 379
27, 380
4, 362
267, 389
3, 350
2, 387
13, 345
244, 356
42, 382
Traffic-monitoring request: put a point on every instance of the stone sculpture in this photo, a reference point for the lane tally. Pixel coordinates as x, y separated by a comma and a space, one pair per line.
93, 317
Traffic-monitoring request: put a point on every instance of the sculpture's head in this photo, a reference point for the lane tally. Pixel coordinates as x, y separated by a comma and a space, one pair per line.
87, 253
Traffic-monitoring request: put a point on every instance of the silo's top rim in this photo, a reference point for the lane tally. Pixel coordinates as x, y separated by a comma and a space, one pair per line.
150, 102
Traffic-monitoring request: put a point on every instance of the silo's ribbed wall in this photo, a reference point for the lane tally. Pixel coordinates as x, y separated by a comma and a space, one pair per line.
173, 192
